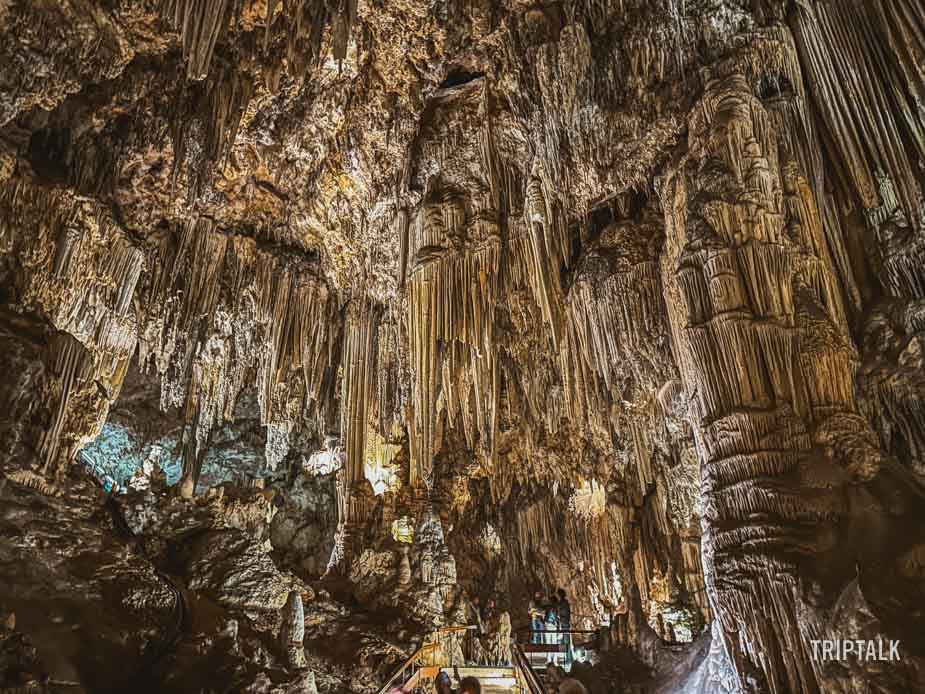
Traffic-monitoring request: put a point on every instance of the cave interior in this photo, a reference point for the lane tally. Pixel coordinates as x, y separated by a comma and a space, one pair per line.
338, 336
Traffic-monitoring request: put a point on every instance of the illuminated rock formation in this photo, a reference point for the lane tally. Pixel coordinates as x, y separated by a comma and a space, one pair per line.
355, 311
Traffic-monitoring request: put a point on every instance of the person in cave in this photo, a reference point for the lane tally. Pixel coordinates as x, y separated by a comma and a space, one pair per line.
490, 616
537, 617
443, 685
565, 623
571, 686
552, 622
470, 685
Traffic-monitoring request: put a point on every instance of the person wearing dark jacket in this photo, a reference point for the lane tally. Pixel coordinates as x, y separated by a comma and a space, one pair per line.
478, 614
470, 685
565, 623
444, 684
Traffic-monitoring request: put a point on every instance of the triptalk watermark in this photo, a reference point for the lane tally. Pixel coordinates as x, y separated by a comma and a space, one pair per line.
856, 649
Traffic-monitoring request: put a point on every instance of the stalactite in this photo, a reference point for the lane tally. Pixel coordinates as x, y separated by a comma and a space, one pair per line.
903, 250
391, 397
906, 414
229, 95
86, 282
201, 24
543, 238
302, 329
358, 389
203, 139
342, 26
72, 369
232, 312
451, 298
68, 242
184, 283
402, 227
856, 65
81, 272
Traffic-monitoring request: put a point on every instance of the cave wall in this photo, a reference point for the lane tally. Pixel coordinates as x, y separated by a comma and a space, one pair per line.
636, 285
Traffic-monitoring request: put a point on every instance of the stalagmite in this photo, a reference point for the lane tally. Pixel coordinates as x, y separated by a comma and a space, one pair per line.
404, 569
292, 631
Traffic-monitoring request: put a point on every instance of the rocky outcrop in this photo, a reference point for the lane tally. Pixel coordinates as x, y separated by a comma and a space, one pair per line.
430, 300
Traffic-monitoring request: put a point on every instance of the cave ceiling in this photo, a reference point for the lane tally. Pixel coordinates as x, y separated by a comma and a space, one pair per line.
451, 297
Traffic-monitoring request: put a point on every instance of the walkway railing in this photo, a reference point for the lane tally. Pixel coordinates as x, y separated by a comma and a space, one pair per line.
425, 663
538, 637
419, 668
527, 680
422, 668
560, 646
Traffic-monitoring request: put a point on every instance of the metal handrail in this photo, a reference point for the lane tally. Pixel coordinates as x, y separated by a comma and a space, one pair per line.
526, 677
525, 672
415, 659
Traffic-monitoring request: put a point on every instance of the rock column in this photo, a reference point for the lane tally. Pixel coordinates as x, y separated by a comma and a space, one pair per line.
771, 375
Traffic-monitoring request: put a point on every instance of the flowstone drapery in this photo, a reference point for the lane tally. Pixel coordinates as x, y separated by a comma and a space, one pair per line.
420, 302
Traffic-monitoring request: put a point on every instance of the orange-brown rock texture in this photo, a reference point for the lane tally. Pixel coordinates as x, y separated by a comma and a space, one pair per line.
320, 318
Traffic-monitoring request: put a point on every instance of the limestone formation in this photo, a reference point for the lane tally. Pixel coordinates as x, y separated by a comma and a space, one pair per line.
292, 632
320, 319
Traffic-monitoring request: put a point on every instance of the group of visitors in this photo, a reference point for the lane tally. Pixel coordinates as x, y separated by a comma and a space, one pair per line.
551, 620
549, 615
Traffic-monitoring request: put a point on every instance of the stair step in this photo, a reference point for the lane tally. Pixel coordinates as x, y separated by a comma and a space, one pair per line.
481, 671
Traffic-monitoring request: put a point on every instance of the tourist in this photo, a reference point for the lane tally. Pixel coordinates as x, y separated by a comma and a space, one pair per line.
537, 617
553, 675
490, 615
572, 686
444, 684
565, 623
552, 622
470, 685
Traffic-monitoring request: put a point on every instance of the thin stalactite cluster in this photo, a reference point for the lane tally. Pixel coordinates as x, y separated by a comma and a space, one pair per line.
634, 289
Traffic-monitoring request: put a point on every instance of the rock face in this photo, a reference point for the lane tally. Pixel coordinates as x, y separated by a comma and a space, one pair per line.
230, 569
358, 310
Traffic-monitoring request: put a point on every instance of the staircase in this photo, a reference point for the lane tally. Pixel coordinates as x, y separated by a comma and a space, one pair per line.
421, 669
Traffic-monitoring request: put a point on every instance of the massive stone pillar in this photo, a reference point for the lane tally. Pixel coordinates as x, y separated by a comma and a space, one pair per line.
792, 477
